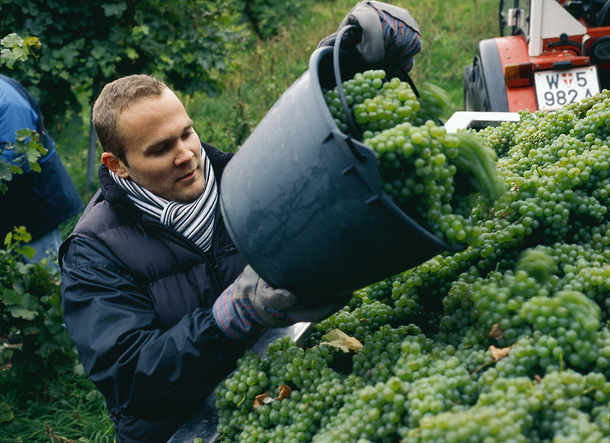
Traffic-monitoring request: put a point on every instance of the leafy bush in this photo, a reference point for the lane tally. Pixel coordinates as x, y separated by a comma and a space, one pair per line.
35, 346
27, 146
17, 50
28, 149
267, 16
91, 43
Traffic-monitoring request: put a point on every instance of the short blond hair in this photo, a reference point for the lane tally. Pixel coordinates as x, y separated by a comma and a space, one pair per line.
115, 98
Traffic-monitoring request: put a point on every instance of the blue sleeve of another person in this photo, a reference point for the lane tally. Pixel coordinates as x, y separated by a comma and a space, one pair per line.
37, 200
19, 110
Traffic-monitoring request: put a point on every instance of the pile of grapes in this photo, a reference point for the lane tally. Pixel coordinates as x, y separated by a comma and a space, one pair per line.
505, 341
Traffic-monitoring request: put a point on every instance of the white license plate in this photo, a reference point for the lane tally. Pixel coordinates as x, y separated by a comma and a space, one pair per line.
555, 89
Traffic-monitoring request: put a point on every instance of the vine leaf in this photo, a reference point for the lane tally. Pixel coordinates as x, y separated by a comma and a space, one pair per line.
264, 398
498, 354
6, 414
496, 332
340, 340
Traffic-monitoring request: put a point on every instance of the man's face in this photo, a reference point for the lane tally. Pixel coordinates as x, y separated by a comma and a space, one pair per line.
162, 148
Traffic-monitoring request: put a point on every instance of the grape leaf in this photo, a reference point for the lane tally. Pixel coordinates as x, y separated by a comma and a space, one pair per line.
340, 340
264, 398
18, 311
11, 297
6, 414
498, 354
496, 332
5, 171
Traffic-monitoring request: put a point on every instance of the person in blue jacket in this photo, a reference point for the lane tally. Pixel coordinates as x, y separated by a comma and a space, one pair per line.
156, 297
40, 201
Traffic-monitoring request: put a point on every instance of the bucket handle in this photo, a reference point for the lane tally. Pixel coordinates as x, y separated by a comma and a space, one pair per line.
348, 113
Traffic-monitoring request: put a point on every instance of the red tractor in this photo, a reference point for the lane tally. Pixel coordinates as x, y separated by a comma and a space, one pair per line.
549, 53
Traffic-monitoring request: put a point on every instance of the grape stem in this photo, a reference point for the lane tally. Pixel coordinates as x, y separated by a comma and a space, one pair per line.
479, 368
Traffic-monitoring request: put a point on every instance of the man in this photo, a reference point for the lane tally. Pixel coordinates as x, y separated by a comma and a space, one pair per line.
40, 201
156, 297
143, 270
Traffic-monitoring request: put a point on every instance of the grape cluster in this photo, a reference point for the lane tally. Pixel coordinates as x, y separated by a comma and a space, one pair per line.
507, 340
360, 321
373, 415
376, 105
380, 352
571, 318
298, 390
433, 176
558, 404
489, 424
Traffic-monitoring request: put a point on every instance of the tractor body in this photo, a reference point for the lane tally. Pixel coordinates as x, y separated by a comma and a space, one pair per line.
549, 53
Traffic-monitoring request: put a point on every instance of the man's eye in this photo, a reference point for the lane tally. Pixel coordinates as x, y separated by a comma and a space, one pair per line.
188, 134
162, 149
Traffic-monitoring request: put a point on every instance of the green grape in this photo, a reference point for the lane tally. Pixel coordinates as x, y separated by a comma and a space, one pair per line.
377, 415
430, 174
489, 424
575, 425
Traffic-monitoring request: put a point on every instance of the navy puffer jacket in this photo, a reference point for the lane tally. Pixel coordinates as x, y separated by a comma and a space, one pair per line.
137, 299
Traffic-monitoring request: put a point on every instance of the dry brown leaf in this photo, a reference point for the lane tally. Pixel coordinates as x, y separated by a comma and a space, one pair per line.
264, 399
496, 332
498, 354
340, 340
285, 392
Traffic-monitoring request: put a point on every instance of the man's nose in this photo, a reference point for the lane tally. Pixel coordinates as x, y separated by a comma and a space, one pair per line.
184, 154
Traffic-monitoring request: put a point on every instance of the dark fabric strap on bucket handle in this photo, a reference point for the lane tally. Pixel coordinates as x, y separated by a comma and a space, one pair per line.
348, 114
355, 130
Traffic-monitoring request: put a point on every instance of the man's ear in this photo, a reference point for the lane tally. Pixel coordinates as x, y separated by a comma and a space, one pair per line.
115, 164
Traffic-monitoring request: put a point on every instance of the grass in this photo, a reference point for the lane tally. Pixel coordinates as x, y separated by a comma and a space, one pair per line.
73, 410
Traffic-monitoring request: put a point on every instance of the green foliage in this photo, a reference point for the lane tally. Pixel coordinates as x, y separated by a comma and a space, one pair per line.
28, 148
267, 16
35, 344
258, 75
91, 43
71, 410
15, 49
6, 414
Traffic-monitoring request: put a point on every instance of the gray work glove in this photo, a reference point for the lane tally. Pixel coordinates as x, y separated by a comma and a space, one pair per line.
250, 305
388, 36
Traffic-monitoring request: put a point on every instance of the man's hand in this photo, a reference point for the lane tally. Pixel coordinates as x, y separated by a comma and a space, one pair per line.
250, 305
388, 36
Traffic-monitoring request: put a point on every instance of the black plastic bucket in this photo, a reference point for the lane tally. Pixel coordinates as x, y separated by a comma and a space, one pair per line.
304, 203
